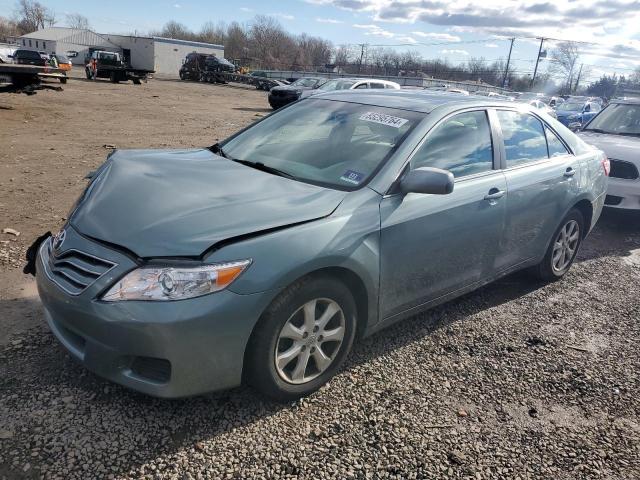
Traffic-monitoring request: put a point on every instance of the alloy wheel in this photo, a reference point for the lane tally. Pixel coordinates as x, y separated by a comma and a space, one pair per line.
309, 341
565, 246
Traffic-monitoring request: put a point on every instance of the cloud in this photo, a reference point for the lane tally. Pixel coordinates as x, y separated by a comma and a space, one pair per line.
454, 52
328, 20
284, 16
445, 37
406, 39
246, 9
491, 45
177, 5
612, 23
374, 30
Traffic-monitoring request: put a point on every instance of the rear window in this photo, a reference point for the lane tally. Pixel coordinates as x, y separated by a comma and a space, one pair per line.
30, 54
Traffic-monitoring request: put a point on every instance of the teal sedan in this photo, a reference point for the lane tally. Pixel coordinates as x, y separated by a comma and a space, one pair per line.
263, 258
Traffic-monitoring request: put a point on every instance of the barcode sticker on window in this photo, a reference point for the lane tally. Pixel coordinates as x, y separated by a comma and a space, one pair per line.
383, 119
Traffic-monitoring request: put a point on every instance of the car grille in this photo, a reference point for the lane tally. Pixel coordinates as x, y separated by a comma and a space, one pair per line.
75, 271
622, 169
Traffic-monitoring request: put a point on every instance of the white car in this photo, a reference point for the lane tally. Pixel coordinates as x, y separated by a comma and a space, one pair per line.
351, 84
616, 131
540, 105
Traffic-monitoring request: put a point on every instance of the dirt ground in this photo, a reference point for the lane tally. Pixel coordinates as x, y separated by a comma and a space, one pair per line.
517, 380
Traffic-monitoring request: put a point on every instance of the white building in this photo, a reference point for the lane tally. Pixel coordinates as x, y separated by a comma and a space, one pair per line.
163, 55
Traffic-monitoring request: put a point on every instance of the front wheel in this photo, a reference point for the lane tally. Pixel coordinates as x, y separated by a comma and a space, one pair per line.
563, 248
302, 339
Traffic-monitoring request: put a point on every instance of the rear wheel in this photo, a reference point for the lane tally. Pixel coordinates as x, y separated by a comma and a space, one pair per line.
302, 339
563, 248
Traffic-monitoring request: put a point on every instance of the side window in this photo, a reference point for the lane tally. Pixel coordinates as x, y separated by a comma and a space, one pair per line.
362, 85
376, 85
524, 139
587, 108
556, 147
460, 144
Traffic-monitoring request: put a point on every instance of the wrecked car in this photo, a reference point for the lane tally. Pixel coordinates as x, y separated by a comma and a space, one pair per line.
261, 259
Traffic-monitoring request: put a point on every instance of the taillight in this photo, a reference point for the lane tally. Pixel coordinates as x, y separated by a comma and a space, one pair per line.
606, 165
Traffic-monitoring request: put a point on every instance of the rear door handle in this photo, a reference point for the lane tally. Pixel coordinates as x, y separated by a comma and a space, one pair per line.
570, 172
494, 194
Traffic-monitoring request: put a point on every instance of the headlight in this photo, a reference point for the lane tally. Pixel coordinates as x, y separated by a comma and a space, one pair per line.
298, 92
175, 283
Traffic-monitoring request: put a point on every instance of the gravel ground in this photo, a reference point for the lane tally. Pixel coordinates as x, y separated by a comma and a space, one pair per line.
516, 380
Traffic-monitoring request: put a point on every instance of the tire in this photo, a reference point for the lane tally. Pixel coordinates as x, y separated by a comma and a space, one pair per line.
63, 80
289, 380
114, 77
553, 267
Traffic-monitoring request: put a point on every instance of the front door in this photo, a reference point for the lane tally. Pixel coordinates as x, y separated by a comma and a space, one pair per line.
432, 245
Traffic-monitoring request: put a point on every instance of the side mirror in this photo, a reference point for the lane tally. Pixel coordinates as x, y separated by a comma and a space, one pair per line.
575, 126
427, 180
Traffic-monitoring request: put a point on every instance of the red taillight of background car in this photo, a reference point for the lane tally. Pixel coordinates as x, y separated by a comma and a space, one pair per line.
606, 165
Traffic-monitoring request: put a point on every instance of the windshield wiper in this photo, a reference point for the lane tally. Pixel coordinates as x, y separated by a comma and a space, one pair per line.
217, 149
596, 130
265, 168
628, 134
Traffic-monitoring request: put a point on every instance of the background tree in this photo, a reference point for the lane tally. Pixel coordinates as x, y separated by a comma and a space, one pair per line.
8, 28
77, 21
564, 63
33, 16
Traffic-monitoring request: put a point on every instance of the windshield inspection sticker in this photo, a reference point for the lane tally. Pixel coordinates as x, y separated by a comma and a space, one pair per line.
383, 119
352, 177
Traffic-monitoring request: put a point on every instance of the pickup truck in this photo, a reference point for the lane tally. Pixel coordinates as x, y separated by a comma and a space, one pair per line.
110, 65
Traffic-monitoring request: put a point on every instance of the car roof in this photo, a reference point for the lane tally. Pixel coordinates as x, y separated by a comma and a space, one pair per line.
421, 101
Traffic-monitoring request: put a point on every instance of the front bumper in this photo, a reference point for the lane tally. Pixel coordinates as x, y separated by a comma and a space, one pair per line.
624, 194
164, 349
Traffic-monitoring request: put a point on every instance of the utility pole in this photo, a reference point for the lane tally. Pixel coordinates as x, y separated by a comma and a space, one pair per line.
535, 70
578, 79
506, 70
362, 47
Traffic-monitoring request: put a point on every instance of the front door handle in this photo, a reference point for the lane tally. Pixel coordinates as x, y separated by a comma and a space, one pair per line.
570, 172
494, 194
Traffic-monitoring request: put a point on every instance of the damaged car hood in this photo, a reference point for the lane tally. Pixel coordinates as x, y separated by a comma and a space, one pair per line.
166, 203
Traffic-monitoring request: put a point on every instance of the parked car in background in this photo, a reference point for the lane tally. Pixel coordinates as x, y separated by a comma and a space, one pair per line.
64, 63
264, 257
575, 113
616, 131
351, 84
286, 94
540, 105
28, 57
6, 54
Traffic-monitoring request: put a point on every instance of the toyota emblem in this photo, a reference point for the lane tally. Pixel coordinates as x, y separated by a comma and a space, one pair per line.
58, 240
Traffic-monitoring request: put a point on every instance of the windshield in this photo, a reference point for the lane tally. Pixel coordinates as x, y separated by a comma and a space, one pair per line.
305, 82
571, 107
618, 119
61, 58
334, 144
337, 85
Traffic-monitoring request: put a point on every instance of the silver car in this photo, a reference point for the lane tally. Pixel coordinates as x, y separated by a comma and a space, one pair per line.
616, 131
261, 259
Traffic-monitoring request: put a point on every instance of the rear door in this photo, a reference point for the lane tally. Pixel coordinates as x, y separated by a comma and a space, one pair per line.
542, 179
433, 245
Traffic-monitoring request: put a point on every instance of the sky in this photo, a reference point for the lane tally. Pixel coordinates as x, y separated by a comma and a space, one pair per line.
452, 29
